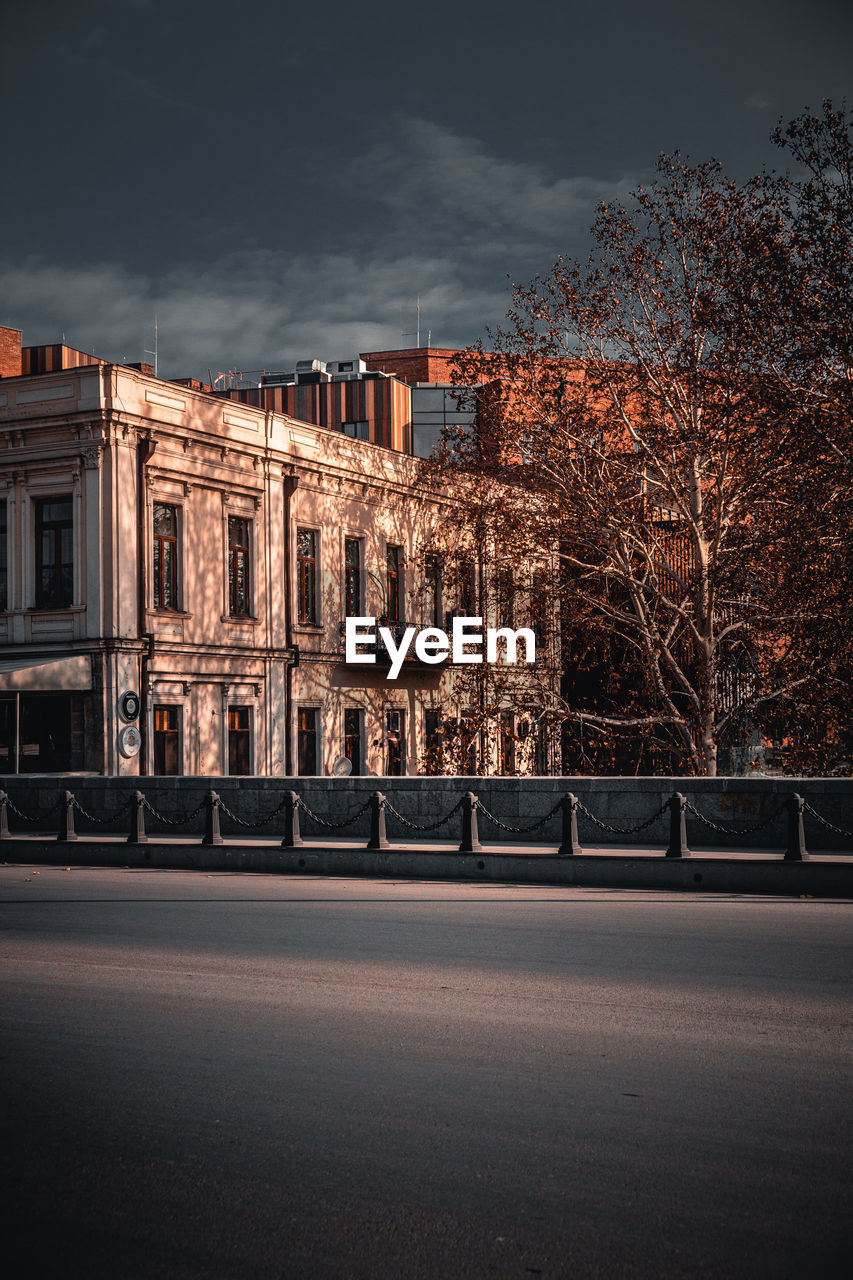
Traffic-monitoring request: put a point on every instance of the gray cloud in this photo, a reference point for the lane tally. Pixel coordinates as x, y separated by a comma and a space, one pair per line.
445, 180
458, 220
246, 311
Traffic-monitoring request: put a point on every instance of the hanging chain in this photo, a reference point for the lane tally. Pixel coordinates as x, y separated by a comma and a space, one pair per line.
432, 826
333, 826
28, 817
110, 818
728, 831
839, 831
534, 826
172, 822
252, 826
623, 831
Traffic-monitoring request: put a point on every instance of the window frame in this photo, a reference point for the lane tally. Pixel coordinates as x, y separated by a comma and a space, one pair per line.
400, 741
433, 604
4, 555
393, 582
356, 570
357, 738
307, 618
236, 553
313, 711
178, 710
158, 542
56, 600
238, 708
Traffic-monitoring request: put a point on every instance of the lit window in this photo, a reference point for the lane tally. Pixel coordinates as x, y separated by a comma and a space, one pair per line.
167, 734
432, 591
352, 571
306, 563
165, 556
239, 741
395, 740
239, 568
352, 738
392, 583
306, 744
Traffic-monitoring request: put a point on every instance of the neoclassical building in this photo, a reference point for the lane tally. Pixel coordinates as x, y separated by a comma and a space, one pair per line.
175, 568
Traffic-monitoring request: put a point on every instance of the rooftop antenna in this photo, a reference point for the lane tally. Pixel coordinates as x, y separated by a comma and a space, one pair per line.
416, 333
153, 353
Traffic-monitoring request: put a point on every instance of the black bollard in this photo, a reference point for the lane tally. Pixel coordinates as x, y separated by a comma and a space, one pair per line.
292, 838
570, 848
4, 816
796, 850
378, 839
470, 836
677, 827
137, 819
211, 820
66, 826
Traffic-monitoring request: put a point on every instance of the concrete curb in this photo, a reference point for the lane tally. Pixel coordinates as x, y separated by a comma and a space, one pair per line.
815, 878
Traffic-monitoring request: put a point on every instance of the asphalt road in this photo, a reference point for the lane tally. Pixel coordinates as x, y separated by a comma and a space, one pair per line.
235, 1075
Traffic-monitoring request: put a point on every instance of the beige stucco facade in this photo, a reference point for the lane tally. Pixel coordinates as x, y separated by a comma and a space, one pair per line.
115, 444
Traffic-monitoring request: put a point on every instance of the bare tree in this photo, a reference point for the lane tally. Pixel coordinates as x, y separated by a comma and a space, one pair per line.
629, 427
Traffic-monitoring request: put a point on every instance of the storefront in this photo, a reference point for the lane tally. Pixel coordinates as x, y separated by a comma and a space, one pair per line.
42, 708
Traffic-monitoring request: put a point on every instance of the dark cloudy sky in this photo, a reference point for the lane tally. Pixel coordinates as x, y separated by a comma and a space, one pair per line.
279, 181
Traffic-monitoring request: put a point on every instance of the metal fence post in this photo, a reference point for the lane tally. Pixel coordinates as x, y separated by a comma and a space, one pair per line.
378, 839
66, 825
570, 847
677, 827
796, 850
4, 816
211, 820
137, 819
292, 838
470, 836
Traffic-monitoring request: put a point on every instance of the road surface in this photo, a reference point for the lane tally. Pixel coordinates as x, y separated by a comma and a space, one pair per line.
233, 1075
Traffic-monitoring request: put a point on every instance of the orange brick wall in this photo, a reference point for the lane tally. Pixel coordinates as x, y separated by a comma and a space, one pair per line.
10, 353
417, 364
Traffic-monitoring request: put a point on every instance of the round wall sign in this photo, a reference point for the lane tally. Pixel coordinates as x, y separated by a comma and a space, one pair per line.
129, 705
129, 741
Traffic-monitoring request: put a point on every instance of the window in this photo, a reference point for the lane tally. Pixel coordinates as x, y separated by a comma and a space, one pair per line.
352, 738
239, 741
167, 740
392, 583
541, 763
54, 552
433, 741
36, 732
468, 744
395, 742
358, 430
507, 744
432, 591
467, 589
352, 578
239, 568
504, 594
306, 743
539, 609
4, 598
306, 565
165, 556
